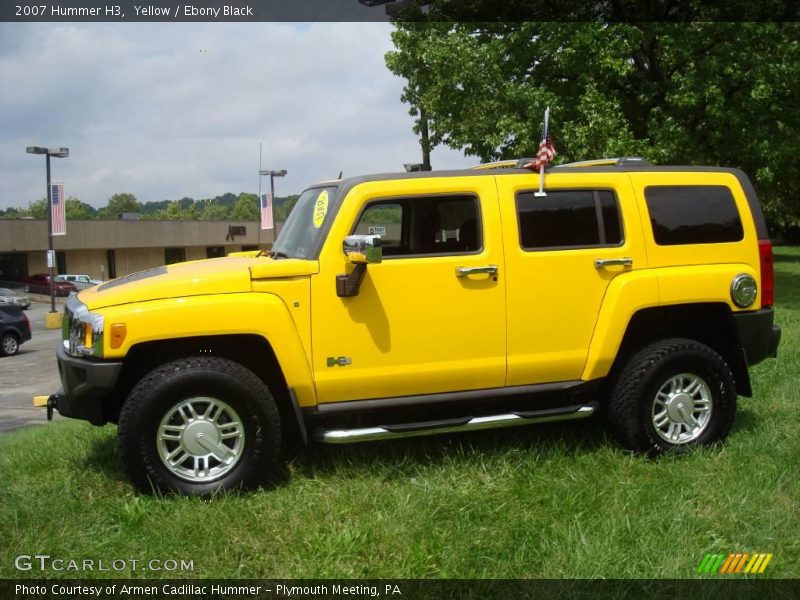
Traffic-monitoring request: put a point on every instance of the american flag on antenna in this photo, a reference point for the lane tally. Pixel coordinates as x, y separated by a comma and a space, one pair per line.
57, 210
545, 156
547, 151
266, 211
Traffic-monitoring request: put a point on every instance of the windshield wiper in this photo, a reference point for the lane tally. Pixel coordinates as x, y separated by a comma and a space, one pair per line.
278, 254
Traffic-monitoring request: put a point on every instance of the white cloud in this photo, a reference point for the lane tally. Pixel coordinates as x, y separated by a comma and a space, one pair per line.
178, 109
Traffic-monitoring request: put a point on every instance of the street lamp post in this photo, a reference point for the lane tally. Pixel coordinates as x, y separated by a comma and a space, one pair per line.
272, 176
58, 153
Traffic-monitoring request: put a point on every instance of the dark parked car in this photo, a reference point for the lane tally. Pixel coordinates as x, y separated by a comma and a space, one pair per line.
40, 284
9, 296
15, 329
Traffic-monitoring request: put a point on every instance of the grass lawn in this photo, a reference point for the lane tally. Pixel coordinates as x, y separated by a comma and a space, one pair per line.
548, 501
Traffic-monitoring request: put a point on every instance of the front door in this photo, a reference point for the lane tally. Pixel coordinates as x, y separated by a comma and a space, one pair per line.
431, 317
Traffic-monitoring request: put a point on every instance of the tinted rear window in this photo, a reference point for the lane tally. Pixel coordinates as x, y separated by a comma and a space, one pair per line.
693, 214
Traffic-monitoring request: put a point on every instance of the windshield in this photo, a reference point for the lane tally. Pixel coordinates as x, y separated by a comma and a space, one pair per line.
302, 232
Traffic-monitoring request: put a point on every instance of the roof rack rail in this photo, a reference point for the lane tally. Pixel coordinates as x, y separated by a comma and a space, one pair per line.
499, 164
622, 161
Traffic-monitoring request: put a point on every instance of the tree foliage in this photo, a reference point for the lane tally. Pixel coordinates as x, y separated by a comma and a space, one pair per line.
675, 93
123, 203
76, 209
38, 209
246, 208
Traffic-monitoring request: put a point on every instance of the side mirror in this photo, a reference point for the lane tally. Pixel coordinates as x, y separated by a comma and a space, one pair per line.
363, 249
360, 251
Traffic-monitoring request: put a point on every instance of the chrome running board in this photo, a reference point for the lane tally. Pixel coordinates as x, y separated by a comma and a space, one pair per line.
512, 419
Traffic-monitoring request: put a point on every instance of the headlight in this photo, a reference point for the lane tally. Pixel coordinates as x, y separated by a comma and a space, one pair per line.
82, 331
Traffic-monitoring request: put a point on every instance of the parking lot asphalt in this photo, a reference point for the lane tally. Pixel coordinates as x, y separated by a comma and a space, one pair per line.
32, 372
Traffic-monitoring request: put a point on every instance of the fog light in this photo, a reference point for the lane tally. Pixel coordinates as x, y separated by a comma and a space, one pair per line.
744, 290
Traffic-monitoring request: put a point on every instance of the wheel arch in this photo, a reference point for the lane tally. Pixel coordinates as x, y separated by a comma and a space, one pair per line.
709, 323
252, 351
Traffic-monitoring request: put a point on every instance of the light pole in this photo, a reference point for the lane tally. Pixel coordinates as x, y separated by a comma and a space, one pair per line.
272, 176
51, 259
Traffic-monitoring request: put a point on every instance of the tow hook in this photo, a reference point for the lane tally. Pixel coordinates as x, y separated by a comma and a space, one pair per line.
52, 402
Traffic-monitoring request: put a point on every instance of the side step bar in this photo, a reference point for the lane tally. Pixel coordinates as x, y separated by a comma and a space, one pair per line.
387, 432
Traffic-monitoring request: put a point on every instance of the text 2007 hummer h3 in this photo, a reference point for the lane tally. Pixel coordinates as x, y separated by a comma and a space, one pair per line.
408, 304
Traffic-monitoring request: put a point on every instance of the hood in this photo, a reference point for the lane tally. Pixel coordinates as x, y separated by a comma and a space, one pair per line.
213, 276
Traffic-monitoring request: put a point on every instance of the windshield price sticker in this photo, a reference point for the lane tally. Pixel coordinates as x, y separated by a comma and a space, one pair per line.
320, 209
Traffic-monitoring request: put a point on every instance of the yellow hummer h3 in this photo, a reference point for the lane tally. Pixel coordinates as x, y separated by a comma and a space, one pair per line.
408, 304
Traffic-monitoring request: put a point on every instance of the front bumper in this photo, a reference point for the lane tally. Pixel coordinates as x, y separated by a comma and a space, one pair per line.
86, 386
758, 334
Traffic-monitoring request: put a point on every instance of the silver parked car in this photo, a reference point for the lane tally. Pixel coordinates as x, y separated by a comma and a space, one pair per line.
9, 296
80, 281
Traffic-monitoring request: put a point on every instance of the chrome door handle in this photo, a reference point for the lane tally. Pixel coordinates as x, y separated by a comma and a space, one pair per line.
599, 263
465, 271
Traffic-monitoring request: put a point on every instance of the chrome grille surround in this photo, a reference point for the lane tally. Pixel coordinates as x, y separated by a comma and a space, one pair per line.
76, 315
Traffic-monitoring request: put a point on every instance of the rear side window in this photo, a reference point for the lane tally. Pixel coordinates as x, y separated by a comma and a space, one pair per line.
693, 214
568, 219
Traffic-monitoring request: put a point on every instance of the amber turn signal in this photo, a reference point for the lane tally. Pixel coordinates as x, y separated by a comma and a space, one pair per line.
118, 333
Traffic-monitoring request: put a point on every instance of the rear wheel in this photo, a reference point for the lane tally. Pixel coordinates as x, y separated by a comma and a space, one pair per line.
673, 395
198, 425
9, 345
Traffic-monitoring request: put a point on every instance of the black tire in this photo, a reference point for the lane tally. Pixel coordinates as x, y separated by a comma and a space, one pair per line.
191, 380
9, 345
633, 409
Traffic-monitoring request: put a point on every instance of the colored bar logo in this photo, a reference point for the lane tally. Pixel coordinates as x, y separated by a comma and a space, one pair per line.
735, 562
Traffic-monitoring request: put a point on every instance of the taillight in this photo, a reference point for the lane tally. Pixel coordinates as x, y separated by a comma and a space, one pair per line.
767, 273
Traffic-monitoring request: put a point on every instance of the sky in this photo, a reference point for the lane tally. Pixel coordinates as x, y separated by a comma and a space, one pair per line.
168, 110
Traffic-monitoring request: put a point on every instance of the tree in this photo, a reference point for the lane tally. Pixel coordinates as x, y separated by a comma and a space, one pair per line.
122, 203
211, 211
178, 210
75, 209
16, 213
38, 208
410, 61
681, 93
246, 208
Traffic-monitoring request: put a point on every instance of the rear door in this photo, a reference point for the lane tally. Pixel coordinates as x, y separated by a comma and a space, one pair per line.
562, 251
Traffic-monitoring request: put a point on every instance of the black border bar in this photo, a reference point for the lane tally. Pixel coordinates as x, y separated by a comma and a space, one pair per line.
723, 587
478, 11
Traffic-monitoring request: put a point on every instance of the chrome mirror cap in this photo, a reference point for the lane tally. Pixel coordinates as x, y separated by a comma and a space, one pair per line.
363, 249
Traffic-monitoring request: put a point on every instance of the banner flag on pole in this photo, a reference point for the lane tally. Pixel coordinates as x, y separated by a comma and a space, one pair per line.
58, 211
266, 211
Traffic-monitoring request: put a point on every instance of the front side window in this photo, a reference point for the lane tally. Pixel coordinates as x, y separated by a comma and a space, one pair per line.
693, 214
568, 219
424, 225
303, 231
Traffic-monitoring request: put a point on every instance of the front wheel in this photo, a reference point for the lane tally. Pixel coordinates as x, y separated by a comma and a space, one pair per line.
9, 345
198, 425
673, 395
